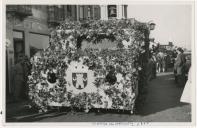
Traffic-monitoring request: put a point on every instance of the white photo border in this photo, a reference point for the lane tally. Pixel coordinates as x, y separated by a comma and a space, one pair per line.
91, 2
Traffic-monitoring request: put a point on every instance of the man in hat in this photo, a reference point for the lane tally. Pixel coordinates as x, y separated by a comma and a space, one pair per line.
179, 67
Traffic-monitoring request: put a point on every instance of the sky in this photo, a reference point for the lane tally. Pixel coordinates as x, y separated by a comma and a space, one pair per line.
173, 22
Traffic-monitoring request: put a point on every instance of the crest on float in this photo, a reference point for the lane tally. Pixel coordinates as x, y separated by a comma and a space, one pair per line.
79, 80
79, 75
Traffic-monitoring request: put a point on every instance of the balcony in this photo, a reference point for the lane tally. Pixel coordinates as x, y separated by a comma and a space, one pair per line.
21, 11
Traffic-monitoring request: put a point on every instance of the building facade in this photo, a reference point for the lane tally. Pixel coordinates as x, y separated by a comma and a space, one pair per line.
28, 27
26, 32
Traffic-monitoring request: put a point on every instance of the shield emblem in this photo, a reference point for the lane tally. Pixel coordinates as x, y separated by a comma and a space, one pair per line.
79, 80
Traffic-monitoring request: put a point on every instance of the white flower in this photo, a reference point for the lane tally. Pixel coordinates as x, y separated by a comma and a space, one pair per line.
54, 70
43, 74
119, 77
39, 86
86, 110
64, 47
58, 31
142, 51
127, 77
68, 31
40, 111
88, 36
30, 77
134, 70
120, 86
143, 43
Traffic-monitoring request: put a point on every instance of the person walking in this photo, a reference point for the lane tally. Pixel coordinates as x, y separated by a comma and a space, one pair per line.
160, 62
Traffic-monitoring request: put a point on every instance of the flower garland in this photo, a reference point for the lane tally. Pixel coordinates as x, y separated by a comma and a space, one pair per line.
54, 61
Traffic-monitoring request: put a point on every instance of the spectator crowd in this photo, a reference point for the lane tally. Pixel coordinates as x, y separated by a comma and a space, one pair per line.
177, 61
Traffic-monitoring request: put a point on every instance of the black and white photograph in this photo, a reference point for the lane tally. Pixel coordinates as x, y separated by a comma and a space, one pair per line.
99, 63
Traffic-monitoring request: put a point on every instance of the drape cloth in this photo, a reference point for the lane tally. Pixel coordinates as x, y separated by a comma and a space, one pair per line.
186, 95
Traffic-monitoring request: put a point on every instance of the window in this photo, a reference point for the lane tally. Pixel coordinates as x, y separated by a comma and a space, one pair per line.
60, 13
96, 13
21, 10
112, 11
81, 13
69, 11
89, 12
51, 13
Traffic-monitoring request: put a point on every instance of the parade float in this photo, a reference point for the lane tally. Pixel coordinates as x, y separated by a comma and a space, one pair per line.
65, 74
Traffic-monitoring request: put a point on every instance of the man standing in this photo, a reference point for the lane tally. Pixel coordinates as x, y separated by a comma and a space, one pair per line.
26, 69
167, 59
179, 67
18, 78
161, 62
154, 72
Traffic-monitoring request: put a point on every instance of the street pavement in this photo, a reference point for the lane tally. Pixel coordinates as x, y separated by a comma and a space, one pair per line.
162, 105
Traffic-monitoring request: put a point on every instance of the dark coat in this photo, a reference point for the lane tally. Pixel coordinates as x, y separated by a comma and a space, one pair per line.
180, 63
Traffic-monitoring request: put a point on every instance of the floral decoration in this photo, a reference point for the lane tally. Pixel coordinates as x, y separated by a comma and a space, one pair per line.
64, 48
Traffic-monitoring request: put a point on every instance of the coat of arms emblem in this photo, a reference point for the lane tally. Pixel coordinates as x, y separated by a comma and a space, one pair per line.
79, 80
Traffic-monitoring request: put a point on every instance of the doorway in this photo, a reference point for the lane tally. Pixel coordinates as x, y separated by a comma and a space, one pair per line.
19, 45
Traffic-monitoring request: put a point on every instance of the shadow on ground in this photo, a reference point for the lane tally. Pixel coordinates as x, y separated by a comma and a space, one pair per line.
163, 94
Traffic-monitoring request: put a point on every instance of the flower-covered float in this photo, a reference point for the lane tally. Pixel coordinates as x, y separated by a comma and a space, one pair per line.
65, 74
